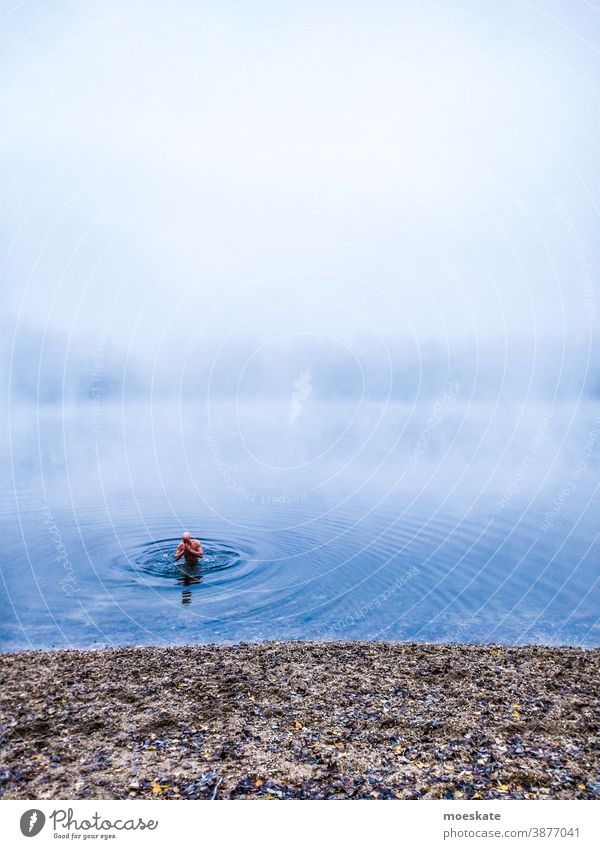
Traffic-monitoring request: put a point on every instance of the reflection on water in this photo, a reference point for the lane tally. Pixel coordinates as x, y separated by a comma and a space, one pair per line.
190, 575
473, 525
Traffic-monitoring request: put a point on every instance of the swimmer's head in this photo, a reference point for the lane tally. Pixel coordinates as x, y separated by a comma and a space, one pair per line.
186, 537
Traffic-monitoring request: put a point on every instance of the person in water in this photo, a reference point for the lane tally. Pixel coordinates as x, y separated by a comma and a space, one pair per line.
189, 548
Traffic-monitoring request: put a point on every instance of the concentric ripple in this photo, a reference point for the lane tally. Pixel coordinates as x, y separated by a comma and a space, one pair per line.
153, 563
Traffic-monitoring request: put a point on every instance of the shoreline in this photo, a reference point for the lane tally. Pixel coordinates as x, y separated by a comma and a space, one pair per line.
304, 720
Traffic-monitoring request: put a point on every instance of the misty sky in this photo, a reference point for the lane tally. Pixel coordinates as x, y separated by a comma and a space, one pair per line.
177, 172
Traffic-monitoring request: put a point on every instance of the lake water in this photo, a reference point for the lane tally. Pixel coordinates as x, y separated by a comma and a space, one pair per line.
441, 521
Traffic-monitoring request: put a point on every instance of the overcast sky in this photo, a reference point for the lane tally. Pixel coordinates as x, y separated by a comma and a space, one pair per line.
198, 169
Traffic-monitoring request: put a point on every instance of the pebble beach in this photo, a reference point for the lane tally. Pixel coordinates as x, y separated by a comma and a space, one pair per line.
301, 720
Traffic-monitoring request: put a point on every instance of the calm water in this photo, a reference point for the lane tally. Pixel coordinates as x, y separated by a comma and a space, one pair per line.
443, 521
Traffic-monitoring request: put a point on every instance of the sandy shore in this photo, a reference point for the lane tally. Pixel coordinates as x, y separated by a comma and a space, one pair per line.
302, 720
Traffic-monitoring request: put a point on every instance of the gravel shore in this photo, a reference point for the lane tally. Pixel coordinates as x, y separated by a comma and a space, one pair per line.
302, 720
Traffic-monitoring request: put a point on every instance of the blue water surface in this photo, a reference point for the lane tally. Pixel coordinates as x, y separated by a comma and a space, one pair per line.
476, 525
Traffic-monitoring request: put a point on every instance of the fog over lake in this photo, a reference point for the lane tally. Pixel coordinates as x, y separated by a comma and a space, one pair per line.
318, 285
